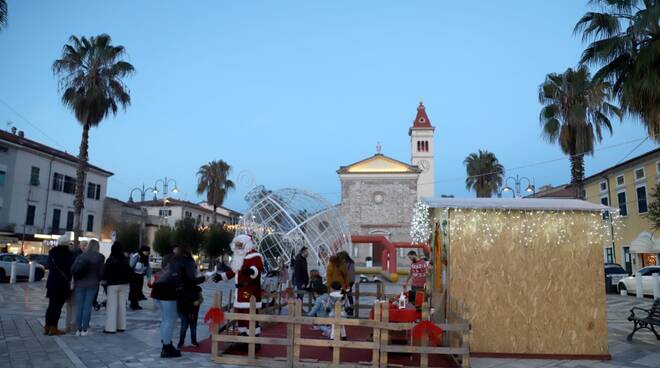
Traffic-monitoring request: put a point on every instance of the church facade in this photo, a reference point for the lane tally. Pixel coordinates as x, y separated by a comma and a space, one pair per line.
378, 193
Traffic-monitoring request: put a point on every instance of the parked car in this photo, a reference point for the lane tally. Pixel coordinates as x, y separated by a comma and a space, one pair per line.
22, 267
613, 274
41, 259
629, 283
156, 262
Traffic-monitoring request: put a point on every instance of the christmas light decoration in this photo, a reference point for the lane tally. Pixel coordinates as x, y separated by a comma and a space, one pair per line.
420, 227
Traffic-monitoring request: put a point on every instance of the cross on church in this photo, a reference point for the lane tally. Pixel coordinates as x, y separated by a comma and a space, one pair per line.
378, 147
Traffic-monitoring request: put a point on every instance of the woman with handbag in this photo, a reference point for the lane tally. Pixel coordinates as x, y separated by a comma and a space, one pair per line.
58, 285
87, 271
117, 276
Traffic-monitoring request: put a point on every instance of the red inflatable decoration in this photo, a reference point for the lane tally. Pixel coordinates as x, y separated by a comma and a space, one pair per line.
427, 328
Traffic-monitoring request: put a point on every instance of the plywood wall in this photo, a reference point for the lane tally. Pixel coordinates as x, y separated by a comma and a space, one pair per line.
532, 281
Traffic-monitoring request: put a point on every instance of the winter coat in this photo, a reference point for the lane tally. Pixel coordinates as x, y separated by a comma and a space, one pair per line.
117, 270
300, 274
337, 272
60, 260
90, 264
177, 279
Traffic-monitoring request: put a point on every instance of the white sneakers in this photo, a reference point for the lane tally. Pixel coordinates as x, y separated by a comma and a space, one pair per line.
82, 333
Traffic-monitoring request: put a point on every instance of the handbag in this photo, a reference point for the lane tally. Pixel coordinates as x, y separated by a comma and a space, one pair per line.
70, 280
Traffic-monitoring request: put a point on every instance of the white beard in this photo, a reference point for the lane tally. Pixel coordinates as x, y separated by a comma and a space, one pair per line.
237, 259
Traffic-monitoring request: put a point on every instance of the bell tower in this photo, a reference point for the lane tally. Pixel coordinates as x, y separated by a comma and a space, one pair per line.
422, 152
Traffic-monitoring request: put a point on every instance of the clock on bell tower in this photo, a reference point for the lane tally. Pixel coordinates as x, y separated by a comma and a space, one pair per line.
422, 152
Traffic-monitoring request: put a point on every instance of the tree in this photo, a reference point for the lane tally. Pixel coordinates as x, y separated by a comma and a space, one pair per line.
186, 231
213, 180
91, 72
654, 208
164, 240
575, 112
3, 14
129, 235
484, 173
625, 42
216, 242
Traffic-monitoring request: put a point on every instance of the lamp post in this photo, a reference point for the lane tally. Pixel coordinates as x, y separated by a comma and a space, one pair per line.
165, 183
517, 192
143, 191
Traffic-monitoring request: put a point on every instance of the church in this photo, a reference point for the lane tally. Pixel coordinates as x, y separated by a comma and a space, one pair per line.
378, 193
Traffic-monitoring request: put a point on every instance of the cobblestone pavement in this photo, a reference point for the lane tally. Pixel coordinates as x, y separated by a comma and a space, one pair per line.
22, 343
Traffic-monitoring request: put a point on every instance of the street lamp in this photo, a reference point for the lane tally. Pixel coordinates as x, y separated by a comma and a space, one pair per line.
143, 191
517, 192
165, 183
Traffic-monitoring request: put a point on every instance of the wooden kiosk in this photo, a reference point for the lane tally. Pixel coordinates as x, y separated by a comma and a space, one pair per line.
530, 272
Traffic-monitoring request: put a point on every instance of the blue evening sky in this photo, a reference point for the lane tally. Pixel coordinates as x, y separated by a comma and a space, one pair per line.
287, 91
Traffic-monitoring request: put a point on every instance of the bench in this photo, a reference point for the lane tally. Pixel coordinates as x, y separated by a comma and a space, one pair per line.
650, 319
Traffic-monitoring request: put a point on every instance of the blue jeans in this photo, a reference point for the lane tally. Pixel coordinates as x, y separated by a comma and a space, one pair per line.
168, 315
84, 298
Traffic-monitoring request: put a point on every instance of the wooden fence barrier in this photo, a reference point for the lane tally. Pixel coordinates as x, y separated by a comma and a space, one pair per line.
293, 340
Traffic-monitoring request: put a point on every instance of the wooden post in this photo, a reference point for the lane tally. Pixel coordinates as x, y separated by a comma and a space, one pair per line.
296, 332
379, 290
336, 330
385, 333
376, 335
292, 333
356, 298
252, 326
465, 362
214, 327
424, 358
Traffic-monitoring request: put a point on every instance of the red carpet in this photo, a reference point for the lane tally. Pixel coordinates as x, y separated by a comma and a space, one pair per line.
322, 353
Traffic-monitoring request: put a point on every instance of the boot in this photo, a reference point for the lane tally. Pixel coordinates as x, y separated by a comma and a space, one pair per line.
169, 351
53, 331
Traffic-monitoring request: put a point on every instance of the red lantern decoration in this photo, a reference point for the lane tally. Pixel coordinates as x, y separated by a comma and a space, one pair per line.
215, 316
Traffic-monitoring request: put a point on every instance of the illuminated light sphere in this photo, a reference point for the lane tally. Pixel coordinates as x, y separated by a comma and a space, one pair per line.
281, 222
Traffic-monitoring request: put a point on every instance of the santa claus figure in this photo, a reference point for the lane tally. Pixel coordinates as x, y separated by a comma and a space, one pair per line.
245, 268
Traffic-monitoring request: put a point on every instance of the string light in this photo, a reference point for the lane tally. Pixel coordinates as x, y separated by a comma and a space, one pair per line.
485, 227
420, 227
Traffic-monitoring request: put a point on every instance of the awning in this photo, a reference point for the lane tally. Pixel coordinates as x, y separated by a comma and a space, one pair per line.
645, 243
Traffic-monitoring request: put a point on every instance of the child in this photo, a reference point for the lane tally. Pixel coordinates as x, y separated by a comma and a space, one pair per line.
188, 314
334, 296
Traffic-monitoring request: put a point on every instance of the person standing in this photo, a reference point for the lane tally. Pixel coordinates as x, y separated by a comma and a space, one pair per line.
139, 263
418, 271
178, 272
300, 273
117, 276
348, 263
87, 271
336, 273
188, 304
58, 284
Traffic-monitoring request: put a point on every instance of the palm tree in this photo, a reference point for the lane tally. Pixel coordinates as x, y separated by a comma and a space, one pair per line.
3, 14
213, 180
484, 173
575, 113
625, 43
91, 72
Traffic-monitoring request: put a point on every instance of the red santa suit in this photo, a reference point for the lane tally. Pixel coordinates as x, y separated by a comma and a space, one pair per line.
246, 268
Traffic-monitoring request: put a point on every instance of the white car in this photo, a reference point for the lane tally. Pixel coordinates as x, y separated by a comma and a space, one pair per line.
22, 267
629, 283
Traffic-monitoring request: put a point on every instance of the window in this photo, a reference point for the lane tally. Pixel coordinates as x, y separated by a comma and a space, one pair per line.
164, 212
623, 208
604, 201
642, 205
3, 175
609, 257
639, 174
69, 185
620, 180
34, 176
55, 226
93, 191
29, 219
58, 182
90, 223
187, 214
603, 186
69, 221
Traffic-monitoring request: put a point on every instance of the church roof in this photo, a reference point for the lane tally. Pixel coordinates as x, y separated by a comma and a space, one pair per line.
379, 164
421, 120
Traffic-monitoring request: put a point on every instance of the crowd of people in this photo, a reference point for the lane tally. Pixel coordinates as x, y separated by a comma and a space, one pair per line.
76, 275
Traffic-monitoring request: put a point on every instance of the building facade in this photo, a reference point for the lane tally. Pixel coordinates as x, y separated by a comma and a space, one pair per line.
172, 210
378, 193
628, 187
37, 188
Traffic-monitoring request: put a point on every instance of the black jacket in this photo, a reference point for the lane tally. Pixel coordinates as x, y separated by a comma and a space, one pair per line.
60, 260
180, 274
117, 270
300, 275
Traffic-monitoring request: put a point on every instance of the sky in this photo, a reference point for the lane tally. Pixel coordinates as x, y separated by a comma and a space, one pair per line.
288, 91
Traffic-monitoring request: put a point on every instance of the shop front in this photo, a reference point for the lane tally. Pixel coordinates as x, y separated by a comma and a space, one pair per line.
645, 250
